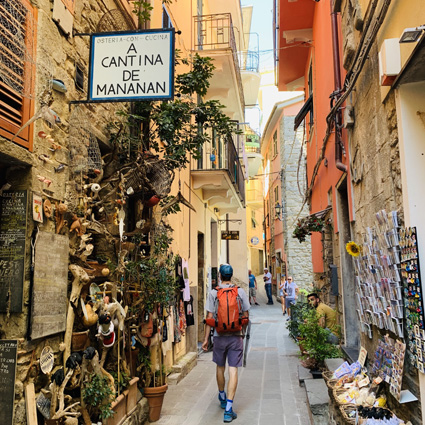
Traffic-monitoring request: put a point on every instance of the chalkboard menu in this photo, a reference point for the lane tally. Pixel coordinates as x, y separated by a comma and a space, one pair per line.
13, 227
49, 300
8, 349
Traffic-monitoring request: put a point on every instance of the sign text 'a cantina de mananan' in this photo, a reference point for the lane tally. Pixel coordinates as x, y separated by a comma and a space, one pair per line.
129, 66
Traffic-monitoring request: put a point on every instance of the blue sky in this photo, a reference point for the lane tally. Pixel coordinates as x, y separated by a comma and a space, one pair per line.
262, 23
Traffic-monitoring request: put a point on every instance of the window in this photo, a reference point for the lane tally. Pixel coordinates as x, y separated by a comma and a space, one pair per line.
276, 195
275, 143
17, 70
254, 222
310, 93
166, 20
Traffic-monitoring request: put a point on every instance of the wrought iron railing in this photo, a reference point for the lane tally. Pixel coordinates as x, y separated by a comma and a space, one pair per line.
216, 32
223, 155
249, 61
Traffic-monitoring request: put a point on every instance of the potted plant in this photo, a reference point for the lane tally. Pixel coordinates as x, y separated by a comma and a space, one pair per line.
305, 226
98, 395
316, 346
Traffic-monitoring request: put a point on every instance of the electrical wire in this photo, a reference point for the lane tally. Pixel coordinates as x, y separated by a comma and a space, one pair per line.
349, 83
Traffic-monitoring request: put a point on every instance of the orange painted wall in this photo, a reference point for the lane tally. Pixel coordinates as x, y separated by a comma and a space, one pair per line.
321, 56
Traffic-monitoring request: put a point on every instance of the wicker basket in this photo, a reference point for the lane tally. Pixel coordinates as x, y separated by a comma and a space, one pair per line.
346, 409
330, 382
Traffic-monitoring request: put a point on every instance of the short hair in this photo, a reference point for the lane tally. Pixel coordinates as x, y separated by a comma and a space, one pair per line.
313, 294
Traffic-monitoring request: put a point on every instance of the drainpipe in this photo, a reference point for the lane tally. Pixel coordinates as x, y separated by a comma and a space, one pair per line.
337, 93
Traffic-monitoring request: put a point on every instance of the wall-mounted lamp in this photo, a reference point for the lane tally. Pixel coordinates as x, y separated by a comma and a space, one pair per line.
411, 35
278, 210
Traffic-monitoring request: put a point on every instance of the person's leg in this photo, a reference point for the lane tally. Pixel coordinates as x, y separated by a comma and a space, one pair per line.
282, 302
234, 358
269, 293
233, 382
221, 380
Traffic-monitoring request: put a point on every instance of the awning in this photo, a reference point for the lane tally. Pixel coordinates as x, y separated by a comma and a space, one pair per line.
307, 107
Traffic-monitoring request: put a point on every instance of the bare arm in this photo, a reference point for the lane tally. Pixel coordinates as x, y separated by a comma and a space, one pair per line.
207, 332
322, 322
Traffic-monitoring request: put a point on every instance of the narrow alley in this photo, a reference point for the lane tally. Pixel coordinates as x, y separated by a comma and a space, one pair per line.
268, 390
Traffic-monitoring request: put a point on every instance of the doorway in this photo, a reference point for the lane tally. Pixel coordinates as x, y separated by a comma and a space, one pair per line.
351, 324
201, 285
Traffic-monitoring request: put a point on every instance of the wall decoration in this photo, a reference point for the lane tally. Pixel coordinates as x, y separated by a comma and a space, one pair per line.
50, 285
8, 350
379, 295
13, 229
413, 300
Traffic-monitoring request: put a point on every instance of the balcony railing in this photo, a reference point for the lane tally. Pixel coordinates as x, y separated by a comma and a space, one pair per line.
249, 61
223, 156
215, 32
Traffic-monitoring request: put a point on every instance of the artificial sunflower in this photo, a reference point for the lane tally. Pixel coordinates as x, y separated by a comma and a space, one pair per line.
353, 249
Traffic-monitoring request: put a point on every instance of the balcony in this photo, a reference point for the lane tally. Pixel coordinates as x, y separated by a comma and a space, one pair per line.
215, 38
251, 78
254, 194
218, 174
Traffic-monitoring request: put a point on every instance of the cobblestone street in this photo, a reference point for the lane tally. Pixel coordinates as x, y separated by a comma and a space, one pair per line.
268, 391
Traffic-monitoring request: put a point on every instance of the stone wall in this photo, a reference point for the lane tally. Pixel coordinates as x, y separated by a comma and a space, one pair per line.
56, 58
375, 166
298, 254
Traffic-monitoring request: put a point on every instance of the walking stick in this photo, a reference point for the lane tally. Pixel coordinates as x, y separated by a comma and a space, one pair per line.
247, 337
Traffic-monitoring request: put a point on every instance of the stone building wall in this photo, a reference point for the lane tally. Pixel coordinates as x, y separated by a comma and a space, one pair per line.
375, 165
56, 57
298, 254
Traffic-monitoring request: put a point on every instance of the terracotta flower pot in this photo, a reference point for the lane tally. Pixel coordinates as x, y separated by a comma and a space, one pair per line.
119, 406
155, 398
132, 393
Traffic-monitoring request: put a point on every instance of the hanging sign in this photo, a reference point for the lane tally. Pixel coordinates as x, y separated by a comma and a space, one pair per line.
230, 235
129, 66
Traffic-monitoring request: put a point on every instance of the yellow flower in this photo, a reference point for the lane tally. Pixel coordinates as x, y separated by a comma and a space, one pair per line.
353, 249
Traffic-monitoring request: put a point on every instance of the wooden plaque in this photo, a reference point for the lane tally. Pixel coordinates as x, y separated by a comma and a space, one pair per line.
8, 350
49, 300
13, 229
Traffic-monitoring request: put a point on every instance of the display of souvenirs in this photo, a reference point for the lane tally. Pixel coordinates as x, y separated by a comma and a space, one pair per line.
413, 301
361, 399
379, 295
388, 363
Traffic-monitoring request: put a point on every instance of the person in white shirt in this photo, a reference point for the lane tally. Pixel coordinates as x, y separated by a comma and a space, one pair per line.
268, 285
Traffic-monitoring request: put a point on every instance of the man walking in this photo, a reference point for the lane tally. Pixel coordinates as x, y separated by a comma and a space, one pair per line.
252, 288
227, 345
268, 285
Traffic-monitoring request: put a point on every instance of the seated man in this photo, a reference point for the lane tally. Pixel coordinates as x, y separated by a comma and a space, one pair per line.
327, 317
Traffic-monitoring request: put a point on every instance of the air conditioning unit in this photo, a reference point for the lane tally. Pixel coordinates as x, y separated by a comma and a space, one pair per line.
389, 61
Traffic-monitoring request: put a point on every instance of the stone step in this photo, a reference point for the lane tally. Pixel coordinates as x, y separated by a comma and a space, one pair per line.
182, 368
317, 401
303, 374
334, 364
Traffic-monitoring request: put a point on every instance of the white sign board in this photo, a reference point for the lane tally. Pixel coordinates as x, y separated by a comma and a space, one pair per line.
128, 66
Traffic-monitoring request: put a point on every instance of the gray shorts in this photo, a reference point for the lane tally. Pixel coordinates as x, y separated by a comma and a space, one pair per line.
289, 302
230, 347
252, 292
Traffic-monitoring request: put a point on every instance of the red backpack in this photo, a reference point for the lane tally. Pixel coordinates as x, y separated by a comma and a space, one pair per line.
228, 315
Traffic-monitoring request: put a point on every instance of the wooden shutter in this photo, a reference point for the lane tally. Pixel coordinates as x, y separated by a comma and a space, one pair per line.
17, 23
